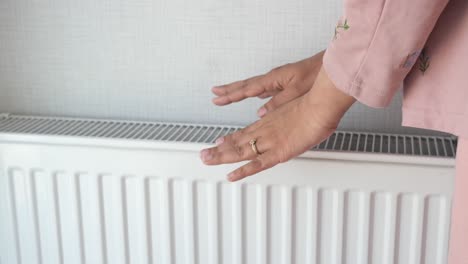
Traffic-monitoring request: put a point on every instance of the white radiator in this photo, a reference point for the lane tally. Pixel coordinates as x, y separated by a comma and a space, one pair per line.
102, 191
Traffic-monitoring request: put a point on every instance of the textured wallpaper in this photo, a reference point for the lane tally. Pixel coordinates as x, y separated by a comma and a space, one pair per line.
157, 60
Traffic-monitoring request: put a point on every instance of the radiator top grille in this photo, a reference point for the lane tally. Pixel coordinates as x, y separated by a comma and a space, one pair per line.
434, 146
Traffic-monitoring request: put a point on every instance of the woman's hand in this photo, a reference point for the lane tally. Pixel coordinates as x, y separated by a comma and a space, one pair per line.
284, 133
284, 84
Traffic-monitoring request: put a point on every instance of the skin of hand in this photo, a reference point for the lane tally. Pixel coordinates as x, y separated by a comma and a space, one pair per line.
283, 84
283, 133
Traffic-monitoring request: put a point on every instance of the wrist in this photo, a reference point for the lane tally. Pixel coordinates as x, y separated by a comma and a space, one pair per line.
329, 104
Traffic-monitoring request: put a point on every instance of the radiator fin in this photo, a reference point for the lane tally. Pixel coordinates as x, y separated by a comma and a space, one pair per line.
82, 217
436, 146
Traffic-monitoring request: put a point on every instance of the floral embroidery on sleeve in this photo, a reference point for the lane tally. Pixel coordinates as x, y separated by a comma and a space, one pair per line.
416, 56
423, 61
343, 26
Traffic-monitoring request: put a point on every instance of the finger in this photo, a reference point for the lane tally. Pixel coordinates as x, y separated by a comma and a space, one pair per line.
276, 101
232, 151
250, 88
228, 88
266, 94
261, 163
255, 126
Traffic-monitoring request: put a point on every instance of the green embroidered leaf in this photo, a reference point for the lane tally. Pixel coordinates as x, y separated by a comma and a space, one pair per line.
423, 67
423, 61
344, 26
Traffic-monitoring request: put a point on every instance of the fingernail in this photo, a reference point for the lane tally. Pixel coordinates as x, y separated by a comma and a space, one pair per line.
219, 141
203, 153
205, 156
230, 176
261, 111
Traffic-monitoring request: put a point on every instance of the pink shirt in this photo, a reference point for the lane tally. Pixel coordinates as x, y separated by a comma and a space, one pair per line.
380, 44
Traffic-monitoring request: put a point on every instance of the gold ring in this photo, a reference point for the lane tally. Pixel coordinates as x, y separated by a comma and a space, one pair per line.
253, 144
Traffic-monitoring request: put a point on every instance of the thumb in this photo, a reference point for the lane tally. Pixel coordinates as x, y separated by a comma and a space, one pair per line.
276, 101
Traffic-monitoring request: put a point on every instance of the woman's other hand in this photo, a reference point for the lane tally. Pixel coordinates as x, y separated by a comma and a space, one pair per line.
285, 132
283, 84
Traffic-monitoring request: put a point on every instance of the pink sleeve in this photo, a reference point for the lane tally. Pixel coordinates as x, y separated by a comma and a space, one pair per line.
376, 43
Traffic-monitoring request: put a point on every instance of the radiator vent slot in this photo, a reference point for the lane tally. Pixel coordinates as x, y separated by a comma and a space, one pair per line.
434, 146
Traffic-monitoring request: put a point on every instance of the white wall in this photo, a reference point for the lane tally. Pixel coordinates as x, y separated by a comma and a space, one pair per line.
157, 60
